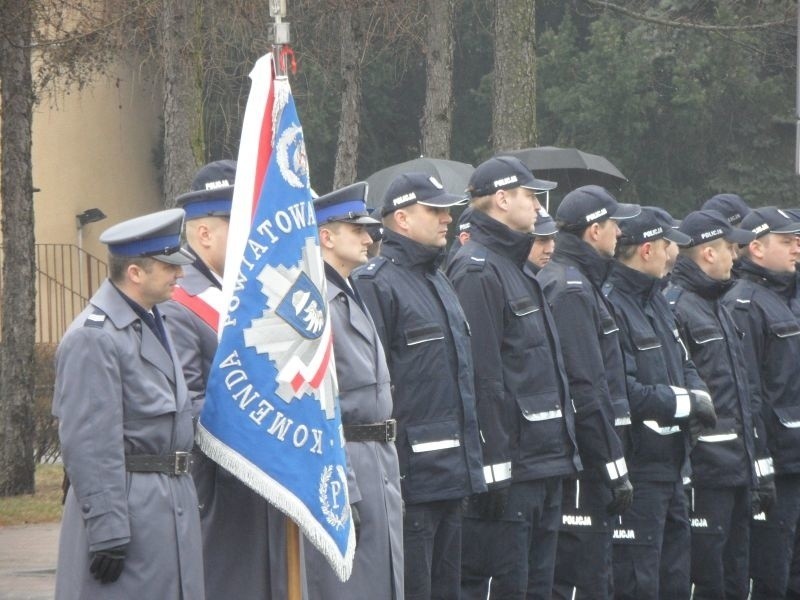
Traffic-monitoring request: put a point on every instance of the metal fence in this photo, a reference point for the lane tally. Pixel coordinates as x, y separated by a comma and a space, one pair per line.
66, 277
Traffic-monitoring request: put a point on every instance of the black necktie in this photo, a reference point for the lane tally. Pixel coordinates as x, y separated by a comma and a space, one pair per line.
156, 325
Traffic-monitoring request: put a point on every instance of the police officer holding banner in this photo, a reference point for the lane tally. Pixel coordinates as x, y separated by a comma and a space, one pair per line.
572, 281
231, 514
366, 404
425, 336
666, 395
131, 527
722, 460
760, 302
524, 409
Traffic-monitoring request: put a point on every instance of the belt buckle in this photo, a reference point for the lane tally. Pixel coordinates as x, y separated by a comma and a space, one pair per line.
182, 462
391, 430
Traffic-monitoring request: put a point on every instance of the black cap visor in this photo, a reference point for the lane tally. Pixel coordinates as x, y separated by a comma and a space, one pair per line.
179, 257
354, 219
788, 228
739, 236
225, 191
673, 235
539, 185
545, 229
626, 211
443, 200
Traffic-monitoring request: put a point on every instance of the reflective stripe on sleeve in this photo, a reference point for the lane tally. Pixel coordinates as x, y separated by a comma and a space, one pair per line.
497, 473
616, 469
683, 405
764, 467
661, 430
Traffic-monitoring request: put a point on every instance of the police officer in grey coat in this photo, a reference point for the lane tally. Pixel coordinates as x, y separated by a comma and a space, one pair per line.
232, 516
130, 528
366, 404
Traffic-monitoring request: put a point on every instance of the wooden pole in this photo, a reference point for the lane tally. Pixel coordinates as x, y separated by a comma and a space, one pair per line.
295, 587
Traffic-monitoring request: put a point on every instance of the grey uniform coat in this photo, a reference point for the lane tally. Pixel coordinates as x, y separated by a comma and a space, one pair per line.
244, 539
119, 392
365, 397
194, 340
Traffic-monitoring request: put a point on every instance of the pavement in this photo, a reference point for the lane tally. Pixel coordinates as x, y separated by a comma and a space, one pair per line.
28, 561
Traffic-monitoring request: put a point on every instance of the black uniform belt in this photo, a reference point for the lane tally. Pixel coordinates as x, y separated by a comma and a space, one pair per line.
374, 432
177, 463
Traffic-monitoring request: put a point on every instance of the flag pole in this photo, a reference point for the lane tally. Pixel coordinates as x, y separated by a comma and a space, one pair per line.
294, 582
280, 37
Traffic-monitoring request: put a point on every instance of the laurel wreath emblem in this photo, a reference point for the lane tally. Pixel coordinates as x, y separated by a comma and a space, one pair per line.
336, 521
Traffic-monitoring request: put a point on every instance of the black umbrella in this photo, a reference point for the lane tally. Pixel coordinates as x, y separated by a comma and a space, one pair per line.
570, 167
453, 175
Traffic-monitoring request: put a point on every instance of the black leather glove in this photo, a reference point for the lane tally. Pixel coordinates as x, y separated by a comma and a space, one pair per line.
107, 564
696, 429
622, 496
490, 505
703, 408
762, 498
356, 516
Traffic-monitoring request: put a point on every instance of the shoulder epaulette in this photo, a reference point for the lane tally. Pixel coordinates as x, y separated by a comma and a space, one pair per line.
606, 289
672, 294
574, 279
96, 319
369, 270
476, 258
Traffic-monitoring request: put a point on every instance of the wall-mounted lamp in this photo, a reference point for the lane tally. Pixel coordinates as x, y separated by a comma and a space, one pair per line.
90, 215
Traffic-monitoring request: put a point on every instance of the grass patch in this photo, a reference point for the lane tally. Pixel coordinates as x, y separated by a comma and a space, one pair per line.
42, 507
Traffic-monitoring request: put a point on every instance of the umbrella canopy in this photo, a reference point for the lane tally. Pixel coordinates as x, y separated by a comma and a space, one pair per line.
570, 167
453, 175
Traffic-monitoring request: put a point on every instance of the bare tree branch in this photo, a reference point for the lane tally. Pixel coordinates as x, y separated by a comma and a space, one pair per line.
605, 5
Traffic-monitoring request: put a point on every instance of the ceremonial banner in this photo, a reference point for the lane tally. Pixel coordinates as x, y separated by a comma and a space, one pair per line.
271, 415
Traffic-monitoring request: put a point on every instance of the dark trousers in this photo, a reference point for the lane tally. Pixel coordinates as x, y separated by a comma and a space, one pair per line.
793, 593
583, 560
432, 550
652, 544
772, 541
720, 520
518, 551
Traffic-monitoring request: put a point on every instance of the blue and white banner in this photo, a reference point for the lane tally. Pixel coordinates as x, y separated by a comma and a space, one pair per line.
271, 415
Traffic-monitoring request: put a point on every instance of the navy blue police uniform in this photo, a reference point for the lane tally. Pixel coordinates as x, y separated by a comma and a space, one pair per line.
721, 488
526, 418
588, 331
793, 593
652, 539
545, 228
425, 335
760, 302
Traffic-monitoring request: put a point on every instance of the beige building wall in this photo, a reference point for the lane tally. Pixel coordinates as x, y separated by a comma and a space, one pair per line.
93, 148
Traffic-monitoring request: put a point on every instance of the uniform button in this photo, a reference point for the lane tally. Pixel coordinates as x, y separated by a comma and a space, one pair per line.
385, 479
86, 507
180, 512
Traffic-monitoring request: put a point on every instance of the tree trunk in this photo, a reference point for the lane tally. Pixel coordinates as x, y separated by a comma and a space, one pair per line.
184, 144
17, 321
352, 42
514, 80
437, 115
